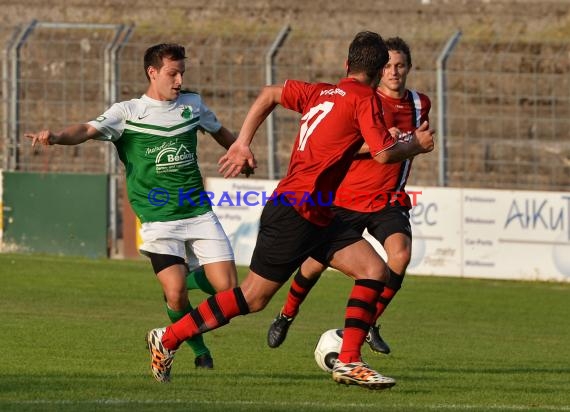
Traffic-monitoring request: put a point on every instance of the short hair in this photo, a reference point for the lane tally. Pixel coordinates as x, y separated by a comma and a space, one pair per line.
397, 44
154, 55
367, 53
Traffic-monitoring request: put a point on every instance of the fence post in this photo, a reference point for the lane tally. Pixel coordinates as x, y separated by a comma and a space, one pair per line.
270, 79
122, 35
442, 106
6, 102
111, 73
14, 135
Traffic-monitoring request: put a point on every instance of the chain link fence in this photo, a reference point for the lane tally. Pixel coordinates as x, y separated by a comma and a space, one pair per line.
507, 113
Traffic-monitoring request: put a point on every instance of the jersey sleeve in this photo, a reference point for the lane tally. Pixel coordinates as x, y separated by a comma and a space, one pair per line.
208, 120
372, 126
295, 95
426, 107
110, 124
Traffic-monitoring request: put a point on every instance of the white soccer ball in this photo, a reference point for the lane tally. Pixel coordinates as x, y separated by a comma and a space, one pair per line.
328, 348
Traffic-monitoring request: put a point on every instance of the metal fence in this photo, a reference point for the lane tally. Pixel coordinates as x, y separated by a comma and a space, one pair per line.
506, 117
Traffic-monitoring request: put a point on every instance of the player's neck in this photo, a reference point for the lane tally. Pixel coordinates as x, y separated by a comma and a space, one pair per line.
394, 94
362, 78
155, 96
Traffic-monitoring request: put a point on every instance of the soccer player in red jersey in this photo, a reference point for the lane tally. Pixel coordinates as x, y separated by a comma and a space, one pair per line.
297, 223
372, 197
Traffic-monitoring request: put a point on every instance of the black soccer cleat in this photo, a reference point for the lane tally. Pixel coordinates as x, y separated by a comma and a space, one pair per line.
204, 361
278, 330
376, 342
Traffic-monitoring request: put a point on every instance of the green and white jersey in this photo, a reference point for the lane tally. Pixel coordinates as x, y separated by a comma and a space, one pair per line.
156, 141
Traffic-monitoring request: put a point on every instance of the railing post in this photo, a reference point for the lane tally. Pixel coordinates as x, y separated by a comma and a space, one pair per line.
7, 87
122, 35
442, 106
111, 75
270, 79
14, 133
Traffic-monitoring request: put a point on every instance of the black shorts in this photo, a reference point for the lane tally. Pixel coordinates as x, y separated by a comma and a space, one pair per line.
286, 239
380, 224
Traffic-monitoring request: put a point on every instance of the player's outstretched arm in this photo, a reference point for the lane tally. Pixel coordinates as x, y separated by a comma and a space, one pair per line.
421, 141
71, 135
239, 154
239, 158
224, 137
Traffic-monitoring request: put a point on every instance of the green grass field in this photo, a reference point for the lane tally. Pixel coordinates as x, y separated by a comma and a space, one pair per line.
73, 339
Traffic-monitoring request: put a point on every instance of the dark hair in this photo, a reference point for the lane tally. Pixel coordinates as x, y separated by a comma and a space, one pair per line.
397, 44
367, 53
154, 55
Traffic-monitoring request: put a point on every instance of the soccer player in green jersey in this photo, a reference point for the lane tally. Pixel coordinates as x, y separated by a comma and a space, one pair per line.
156, 138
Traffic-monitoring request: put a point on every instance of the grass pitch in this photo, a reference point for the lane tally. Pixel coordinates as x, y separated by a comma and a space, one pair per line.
73, 339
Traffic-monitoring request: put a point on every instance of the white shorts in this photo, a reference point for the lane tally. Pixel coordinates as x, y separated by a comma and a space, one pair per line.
198, 240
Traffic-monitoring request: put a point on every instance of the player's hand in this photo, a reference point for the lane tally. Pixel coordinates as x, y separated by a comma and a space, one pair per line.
395, 132
237, 158
247, 170
44, 137
425, 137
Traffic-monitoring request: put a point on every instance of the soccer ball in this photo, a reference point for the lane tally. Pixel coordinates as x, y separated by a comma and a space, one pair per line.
328, 348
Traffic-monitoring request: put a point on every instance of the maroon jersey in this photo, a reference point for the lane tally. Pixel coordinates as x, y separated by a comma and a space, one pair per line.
369, 186
335, 122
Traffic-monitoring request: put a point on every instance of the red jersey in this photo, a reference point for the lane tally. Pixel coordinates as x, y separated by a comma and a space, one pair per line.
369, 186
336, 120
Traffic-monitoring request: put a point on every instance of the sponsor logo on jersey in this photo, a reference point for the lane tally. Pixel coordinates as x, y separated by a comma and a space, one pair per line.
186, 112
171, 159
164, 145
330, 92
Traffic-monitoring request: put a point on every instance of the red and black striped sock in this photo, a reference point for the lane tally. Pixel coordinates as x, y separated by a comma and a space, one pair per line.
300, 288
359, 312
212, 313
392, 287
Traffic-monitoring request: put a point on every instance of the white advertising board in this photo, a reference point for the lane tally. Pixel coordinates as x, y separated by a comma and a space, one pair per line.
516, 234
436, 237
239, 215
456, 232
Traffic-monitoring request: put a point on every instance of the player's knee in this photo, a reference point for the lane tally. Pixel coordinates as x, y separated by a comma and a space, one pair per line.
225, 283
400, 259
176, 300
222, 275
377, 270
311, 269
232, 283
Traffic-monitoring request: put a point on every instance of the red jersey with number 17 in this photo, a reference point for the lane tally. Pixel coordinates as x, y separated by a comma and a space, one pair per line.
336, 120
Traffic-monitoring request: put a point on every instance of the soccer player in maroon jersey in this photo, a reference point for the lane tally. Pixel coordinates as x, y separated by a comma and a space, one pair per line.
297, 223
372, 197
